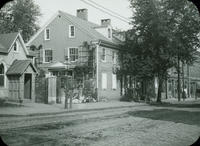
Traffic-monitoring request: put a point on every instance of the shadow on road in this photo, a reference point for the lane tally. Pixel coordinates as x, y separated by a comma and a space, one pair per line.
180, 105
186, 117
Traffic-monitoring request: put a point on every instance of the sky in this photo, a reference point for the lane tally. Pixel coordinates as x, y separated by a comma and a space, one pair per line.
50, 7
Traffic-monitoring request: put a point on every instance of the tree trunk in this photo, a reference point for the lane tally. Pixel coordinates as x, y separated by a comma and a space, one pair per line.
160, 82
178, 85
121, 84
166, 88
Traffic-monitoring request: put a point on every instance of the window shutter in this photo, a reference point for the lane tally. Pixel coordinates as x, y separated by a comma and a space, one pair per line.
104, 81
114, 81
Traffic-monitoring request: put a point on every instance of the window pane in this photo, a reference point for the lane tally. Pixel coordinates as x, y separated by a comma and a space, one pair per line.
47, 33
73, 54
72, 30
48, 55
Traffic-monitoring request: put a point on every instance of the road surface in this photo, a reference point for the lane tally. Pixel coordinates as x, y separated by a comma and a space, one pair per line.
136, 126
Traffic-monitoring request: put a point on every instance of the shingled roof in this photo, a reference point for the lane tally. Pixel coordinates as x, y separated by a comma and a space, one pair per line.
6, 40
18, 67
86, 26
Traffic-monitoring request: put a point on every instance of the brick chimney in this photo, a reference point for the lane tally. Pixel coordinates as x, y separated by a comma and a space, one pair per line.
82, 13
105, 22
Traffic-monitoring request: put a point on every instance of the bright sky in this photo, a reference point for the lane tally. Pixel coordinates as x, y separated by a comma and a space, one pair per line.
50, 7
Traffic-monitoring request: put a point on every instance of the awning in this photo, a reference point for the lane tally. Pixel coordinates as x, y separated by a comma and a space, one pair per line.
18, 67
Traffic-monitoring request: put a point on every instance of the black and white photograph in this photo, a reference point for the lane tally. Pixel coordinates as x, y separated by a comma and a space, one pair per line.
100, 73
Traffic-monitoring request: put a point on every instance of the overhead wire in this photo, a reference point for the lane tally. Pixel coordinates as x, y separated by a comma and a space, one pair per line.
105, 11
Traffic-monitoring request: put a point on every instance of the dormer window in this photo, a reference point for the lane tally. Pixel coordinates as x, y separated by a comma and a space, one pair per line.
47, 34
71, 31
109, 33
15, 47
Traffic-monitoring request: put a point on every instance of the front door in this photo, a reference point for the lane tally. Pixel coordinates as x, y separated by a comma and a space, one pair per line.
27, 86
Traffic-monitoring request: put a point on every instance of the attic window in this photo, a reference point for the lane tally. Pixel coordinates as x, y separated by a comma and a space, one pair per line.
15, 47
47, 34
71, 31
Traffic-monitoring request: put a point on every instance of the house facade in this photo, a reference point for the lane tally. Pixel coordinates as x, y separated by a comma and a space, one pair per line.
68, 41
17, 72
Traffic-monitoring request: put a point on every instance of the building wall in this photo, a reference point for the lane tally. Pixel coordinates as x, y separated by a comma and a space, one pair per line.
107, 67
7, 60
59, 38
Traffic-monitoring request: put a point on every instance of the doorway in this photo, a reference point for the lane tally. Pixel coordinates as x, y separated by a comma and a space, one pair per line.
27, 86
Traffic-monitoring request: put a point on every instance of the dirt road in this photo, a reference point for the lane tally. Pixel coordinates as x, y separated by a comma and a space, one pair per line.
137, 126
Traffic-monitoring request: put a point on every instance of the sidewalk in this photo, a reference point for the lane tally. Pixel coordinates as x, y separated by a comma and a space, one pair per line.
33, 109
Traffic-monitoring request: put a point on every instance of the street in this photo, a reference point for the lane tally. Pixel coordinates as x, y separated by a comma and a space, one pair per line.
127, 126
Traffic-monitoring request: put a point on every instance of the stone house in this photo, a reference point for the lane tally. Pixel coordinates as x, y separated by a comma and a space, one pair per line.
17, 72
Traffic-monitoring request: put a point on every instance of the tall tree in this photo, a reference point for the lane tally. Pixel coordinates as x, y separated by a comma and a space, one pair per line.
20, 15
161, 33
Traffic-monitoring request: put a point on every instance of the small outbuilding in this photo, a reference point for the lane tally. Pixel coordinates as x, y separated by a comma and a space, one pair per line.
17, 70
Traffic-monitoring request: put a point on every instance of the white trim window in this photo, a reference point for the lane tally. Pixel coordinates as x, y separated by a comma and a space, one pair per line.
16, 47
103, 56
48, 55
2, 75
71, 31
114, 81
47, 34
104, 81
73, 54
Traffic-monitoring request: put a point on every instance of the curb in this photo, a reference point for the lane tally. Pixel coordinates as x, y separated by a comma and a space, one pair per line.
69, 111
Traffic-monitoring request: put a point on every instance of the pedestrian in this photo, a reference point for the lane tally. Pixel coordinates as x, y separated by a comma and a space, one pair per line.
184, 94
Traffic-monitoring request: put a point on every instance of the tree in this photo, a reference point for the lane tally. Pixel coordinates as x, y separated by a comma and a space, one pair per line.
183, 21
158, 38
20, 15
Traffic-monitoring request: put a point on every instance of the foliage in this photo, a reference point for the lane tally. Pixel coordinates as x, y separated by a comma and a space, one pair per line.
162, 30
20, 15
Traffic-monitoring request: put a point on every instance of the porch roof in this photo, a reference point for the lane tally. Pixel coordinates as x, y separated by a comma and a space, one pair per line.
18, 67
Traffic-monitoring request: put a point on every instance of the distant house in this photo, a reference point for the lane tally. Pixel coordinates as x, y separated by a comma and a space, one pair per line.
67, 41
17, 72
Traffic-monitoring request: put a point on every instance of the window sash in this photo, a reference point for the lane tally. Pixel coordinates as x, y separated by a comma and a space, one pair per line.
71, 31
73, 54
47, 34
48, 55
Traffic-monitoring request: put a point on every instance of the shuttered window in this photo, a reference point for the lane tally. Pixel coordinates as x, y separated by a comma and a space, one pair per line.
48, 55
73, 54
114, 81
104, 81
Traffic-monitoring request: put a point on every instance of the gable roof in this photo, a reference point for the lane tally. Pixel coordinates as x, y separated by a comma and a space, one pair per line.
18, 67
6, 41
83, 25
